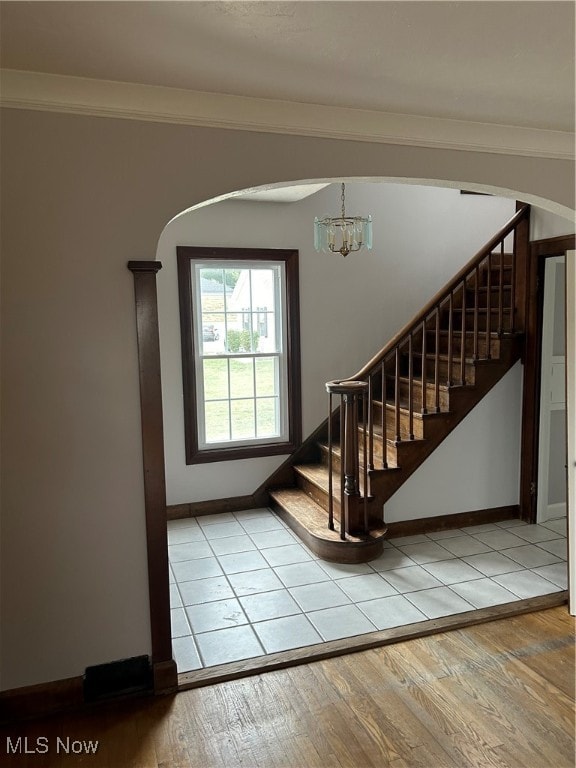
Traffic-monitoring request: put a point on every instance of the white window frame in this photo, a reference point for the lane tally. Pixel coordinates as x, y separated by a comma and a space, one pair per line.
280, 334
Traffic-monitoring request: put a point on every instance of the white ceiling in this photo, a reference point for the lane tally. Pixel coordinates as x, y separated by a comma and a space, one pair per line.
510, 63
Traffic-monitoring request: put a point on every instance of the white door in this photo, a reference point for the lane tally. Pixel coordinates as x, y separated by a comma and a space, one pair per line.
551, 487
571, 386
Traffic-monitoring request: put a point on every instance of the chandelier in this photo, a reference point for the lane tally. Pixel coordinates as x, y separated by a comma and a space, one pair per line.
342, 234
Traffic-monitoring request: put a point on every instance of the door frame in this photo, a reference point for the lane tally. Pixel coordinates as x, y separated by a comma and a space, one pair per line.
539, 251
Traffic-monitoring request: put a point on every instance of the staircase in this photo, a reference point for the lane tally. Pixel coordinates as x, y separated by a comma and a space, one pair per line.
399, 407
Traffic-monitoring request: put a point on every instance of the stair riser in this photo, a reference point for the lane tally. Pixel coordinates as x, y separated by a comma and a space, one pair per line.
376, 455
494, 277
417, 425
443, 368
468, 347
482, 321
444, 398
317, 494
494, 296
355, 504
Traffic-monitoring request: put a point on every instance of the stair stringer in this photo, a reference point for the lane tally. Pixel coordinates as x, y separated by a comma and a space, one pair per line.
411, 454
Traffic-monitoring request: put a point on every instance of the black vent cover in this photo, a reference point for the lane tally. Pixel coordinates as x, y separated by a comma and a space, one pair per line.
118, 678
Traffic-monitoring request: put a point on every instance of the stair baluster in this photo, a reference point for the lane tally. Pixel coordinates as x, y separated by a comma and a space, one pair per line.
450, 337
489, 306
476, 301
397, 395
463, 337
370, 424
410, 389
330, 467
501, 293
383, 418
512, 326
423, 378
437, 363
365, 410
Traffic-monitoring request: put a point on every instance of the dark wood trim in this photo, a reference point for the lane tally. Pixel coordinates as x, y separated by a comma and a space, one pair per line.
153, 463
212, 507
284, 659
43, 699
540, 250
553, 246
185, 253
164, 675
448, 522
68, 695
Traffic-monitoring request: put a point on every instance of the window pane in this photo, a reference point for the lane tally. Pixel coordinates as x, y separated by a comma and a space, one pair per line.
266, 376
217, 421
243, 426
267, 417
212, 333
242, 377
215, 379
263, 288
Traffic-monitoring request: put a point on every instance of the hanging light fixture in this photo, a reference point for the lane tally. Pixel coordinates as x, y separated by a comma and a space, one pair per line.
342, 234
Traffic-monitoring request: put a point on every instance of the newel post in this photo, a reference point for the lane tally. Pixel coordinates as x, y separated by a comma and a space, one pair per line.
521, 267
352, 393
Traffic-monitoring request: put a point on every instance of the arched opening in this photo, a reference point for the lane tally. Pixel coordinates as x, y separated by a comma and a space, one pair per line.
546, 222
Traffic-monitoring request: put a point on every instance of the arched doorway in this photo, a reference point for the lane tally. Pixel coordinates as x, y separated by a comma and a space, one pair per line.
483, 188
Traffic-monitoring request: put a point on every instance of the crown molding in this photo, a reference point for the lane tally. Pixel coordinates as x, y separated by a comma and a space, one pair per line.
104, 98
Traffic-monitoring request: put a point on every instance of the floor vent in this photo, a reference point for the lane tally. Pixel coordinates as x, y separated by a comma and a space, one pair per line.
118, 678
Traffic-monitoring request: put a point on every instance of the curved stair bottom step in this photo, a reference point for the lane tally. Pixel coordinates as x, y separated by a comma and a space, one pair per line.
310, 523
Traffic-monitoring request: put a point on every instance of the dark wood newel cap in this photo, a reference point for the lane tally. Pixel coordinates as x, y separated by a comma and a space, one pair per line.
144, 266
346, 387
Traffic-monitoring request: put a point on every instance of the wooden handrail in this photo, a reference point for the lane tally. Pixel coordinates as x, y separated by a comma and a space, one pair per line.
440, 295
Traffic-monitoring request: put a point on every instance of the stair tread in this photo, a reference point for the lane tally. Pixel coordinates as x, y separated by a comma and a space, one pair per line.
444, 332
314, 518
417, 381
378, 437
318, 474
417, 414
455, 358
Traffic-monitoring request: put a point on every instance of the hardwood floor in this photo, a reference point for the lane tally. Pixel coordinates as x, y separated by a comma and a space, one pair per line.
496, 694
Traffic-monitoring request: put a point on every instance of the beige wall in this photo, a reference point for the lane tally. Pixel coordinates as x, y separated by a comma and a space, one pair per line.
80, 197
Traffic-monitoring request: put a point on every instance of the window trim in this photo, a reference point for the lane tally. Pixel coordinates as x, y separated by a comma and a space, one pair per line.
186, 254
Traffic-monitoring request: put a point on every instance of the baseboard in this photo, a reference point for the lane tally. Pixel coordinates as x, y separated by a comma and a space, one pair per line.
400, 528
43, 699
165, 677
445, 522
211, 507
69, 695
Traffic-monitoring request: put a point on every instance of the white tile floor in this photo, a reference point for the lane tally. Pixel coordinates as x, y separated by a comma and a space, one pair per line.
242, 585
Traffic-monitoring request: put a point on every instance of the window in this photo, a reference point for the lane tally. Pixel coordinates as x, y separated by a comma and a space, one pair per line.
240, 352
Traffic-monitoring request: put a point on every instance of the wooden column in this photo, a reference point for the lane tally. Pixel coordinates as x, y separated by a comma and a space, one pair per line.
164, 667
